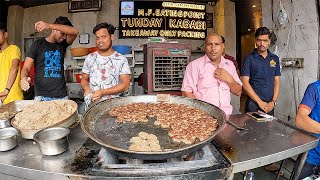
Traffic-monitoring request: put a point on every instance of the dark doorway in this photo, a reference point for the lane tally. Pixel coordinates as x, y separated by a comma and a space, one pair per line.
249, 18
3, 11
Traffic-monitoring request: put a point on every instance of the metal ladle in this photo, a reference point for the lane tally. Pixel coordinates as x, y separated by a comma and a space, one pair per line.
236, 126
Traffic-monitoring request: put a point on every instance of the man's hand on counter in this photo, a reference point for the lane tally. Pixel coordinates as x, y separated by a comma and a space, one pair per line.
4, 93
25, 83
87, 92
97, 95
2, 97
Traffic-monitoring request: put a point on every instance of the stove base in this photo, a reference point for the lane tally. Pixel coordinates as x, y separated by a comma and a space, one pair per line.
208, 163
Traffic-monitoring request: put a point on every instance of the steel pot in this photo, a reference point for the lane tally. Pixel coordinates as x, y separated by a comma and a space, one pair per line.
8, 138
52, 141
4, 122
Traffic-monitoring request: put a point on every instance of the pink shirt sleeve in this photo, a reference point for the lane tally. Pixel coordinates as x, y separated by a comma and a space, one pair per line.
235, 75
190, 79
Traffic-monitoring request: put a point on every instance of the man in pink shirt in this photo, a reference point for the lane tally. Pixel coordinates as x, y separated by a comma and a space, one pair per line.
211, 78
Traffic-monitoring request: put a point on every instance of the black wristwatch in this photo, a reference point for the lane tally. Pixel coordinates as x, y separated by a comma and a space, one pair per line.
274, 102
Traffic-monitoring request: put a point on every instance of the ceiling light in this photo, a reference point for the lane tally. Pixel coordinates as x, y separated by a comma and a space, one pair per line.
253, 6
249, 29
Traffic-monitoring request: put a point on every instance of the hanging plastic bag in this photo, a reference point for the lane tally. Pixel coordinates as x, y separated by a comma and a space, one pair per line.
282, 15
87, 100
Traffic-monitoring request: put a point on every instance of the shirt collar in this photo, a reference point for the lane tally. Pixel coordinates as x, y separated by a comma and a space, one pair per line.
256, 54
222, 62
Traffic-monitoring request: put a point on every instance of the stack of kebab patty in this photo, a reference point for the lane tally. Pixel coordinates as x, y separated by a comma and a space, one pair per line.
185, 124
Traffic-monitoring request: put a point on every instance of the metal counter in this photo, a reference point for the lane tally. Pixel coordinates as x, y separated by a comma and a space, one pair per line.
26, 160
263, 143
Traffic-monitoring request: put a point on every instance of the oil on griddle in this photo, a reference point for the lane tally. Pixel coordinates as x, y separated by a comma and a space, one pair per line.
119, 134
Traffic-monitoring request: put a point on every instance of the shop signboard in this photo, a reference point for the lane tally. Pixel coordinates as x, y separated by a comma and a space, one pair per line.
84, 5
140, 19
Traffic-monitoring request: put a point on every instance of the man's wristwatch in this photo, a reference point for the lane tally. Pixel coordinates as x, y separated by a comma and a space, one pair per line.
274, 102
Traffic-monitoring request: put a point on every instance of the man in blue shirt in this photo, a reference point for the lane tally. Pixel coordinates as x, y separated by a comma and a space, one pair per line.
308, 118
261, 75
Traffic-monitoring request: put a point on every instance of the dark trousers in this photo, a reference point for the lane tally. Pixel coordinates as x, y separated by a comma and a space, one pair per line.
252, 106
308, 170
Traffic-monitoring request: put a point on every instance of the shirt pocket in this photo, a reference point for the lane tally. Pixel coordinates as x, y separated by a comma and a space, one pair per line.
224, 86
207, 81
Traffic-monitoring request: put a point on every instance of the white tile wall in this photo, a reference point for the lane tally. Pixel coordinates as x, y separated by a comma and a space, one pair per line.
266, 13
300, 13
306, 36
310, 69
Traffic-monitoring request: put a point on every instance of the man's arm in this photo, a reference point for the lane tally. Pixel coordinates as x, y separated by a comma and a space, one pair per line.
121, 87
25, 73
235, 88
303, 121
190, 80
248, 88
13, 72
85, 84
71, 32
11, 79
276, 90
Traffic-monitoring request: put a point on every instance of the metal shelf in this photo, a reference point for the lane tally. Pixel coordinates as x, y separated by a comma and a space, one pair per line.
129, 55
138, 50
76, 67
79, 58
197, 51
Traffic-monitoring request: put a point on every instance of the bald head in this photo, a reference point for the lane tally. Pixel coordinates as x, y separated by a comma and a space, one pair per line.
214, 35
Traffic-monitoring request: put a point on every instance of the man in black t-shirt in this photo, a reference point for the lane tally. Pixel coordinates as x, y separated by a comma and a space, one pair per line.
47, 55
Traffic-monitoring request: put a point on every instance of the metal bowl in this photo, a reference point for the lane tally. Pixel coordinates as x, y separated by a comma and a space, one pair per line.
52, 141
8, 138
4, 122
28, 133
